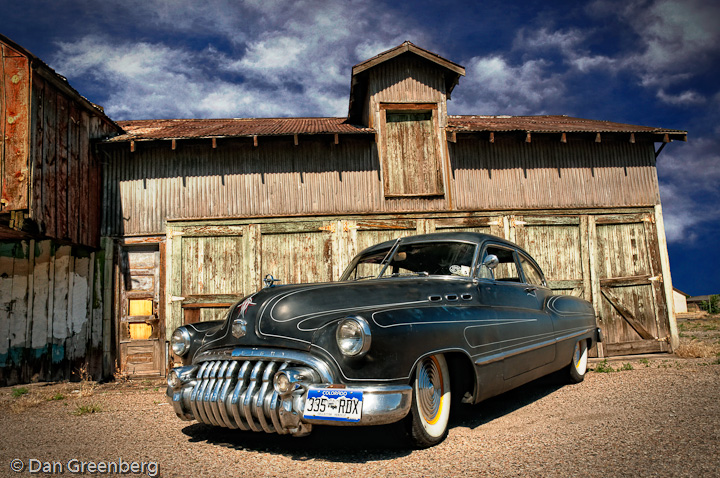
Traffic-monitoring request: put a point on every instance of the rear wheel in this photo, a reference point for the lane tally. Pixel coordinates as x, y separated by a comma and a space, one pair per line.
578, 366
430, 411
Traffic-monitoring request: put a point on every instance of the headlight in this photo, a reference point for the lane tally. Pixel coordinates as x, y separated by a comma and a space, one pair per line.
353, 336
180, 341
173, 380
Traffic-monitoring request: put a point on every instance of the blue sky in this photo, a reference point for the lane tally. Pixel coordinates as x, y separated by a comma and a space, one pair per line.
653, 63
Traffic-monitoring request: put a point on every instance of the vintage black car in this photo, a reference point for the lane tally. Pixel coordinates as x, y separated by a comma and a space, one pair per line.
412, 325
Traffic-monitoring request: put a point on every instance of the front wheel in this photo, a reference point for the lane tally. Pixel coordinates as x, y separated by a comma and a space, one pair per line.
578, 366
430, 411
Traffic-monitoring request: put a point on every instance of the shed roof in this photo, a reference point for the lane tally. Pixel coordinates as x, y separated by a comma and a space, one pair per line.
549, 124
359, 80
235, 127
147, 130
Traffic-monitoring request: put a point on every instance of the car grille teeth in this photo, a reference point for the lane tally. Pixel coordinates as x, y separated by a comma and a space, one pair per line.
238, 394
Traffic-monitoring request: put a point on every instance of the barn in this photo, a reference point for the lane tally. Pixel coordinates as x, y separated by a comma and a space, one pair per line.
195, 212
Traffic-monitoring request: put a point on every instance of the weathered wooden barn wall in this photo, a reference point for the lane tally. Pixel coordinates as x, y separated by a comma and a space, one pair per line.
276, 178
50, 174
51, 311
609, 258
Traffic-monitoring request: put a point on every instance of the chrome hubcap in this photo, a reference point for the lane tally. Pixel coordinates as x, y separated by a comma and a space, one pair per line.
430, 390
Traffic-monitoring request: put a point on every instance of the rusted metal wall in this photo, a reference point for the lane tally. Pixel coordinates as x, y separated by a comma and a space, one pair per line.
276, 178
14, 129
51, 321
609, 258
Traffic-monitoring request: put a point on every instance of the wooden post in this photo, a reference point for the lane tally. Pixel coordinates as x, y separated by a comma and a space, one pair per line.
594, 279
667, 279
107, 363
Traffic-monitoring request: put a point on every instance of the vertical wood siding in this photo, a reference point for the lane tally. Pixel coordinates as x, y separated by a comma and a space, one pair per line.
50, 311
624, 258
66, 198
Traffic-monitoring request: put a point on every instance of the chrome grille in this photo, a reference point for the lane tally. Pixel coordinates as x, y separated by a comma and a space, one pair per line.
238, 394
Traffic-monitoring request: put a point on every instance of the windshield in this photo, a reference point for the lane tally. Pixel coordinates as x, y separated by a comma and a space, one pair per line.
426, 258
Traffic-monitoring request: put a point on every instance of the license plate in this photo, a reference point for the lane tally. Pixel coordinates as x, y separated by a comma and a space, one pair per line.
334, 404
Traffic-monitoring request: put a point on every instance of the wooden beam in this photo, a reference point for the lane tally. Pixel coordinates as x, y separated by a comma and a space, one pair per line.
295, 139
632, 137
528, 138
452, 137
626, 314
597, 138
666, 138
132, 146
255, 141
492, 137
563, 138
337, 138
174, 144
214, 143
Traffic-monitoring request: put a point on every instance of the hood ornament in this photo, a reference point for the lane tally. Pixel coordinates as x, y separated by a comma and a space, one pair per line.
269, 281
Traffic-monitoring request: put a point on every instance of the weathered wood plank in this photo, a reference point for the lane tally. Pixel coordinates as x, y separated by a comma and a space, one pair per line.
634, 348
60, 312
41, 286
643, 279
37, 150
61, 193
49, 154
84, 170
76, 205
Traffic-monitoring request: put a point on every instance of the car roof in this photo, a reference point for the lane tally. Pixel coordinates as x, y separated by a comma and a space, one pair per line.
474, 237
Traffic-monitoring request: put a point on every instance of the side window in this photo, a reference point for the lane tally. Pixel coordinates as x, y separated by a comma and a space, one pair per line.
532, 274
507, 270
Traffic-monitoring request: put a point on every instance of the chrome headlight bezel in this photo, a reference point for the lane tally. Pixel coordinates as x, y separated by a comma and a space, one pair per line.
353, 336
180, 341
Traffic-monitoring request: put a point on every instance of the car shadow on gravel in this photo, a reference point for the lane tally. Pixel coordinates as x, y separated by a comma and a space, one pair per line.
368, 444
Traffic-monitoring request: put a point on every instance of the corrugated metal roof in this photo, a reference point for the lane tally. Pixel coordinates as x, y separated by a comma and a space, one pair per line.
141, 130
547, 124
236, 127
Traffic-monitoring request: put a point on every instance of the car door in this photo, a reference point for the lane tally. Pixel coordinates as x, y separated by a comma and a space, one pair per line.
522, 332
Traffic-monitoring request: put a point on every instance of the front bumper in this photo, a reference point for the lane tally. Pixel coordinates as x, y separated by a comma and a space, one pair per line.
235, 390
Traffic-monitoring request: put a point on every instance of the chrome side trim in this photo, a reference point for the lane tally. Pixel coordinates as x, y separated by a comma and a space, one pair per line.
528, 348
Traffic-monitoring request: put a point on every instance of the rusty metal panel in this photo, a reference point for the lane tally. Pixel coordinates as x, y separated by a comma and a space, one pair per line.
15, 116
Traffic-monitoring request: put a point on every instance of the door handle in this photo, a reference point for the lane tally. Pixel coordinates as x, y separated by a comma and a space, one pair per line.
530, 290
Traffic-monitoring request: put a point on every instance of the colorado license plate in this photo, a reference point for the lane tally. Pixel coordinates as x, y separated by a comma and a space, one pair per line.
334, 404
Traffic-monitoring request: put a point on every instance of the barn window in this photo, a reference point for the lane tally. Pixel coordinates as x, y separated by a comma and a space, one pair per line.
411, 162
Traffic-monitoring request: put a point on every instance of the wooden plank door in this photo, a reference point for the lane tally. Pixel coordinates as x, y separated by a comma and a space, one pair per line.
632, 305
141, 332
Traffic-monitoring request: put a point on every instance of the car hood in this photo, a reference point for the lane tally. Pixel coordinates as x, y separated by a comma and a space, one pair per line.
291, 316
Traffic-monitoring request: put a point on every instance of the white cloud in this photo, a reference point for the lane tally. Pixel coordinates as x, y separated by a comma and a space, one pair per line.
685, 98
500, 88
689, 178
286, 58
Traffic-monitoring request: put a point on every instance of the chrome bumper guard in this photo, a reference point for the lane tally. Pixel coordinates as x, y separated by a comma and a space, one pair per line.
235, 390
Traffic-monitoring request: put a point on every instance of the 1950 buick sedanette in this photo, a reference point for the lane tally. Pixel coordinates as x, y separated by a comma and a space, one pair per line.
412, 325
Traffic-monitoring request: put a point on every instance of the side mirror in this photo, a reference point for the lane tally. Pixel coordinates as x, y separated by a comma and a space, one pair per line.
491, 261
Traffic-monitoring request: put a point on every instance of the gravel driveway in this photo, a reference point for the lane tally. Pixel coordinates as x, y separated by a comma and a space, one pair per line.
661, 418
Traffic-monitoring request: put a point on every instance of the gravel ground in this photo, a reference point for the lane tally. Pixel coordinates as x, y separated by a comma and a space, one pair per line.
660, 418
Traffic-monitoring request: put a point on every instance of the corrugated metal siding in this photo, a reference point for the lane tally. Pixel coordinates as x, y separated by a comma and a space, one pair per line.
547, 174
277, 178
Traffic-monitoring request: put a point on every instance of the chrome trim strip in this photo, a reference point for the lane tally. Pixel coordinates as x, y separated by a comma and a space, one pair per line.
529, 348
